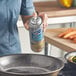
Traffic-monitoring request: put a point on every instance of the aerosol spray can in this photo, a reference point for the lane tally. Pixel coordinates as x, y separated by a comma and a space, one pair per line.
36, 34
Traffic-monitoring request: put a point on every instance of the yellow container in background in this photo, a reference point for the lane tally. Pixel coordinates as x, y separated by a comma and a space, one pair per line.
65, 3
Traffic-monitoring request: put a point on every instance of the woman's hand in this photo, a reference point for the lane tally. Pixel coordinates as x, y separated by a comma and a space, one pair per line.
42, 15
44, 19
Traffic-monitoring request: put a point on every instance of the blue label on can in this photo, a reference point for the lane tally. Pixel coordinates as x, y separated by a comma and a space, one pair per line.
37, 35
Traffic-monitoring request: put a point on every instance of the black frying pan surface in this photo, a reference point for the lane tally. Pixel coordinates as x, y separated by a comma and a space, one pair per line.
29, 65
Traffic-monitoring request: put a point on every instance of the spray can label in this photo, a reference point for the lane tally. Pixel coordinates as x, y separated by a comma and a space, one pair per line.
36, 34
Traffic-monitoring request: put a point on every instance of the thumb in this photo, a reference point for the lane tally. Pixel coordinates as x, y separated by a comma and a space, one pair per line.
35, 14
26, 25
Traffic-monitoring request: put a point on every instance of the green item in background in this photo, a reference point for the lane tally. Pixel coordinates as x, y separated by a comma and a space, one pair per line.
74, 59
74, 3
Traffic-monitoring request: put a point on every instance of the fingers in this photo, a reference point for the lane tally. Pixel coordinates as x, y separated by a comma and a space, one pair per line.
44, 19
26, 24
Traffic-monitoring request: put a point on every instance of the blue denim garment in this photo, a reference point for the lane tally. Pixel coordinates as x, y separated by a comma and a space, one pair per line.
9, 13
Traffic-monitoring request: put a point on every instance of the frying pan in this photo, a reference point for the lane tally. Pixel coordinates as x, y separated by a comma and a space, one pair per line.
30, 65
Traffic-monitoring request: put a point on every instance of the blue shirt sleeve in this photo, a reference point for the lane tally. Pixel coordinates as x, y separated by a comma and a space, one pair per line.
27, 7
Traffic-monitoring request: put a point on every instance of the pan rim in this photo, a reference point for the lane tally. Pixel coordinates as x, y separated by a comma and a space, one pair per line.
44, 73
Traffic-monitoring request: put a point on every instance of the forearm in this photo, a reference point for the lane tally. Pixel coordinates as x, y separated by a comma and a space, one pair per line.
25, 18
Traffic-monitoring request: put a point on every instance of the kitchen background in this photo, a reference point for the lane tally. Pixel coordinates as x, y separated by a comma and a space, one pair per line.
53, 23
